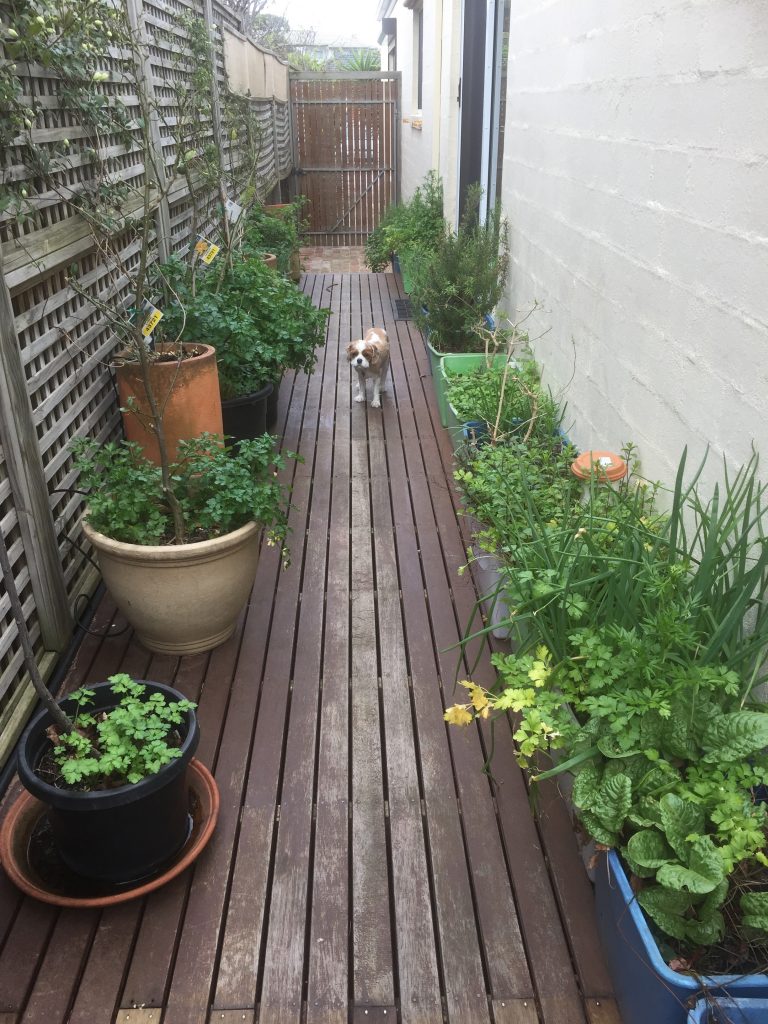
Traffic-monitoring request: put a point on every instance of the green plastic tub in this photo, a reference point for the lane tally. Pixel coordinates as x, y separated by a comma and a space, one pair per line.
450, 366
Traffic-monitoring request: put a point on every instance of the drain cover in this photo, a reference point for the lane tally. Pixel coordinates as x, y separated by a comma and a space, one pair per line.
403, 309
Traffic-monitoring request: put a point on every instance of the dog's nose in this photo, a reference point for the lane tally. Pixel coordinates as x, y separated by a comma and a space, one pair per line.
359, 360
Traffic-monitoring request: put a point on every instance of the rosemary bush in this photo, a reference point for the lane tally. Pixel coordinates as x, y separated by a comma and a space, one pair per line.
463, 280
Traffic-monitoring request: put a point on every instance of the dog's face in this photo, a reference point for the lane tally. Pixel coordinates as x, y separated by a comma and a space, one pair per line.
363, 355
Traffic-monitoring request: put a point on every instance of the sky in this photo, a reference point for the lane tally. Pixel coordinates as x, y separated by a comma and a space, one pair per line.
334, 20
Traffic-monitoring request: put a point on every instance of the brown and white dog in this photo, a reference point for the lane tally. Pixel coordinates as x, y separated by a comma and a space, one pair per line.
370, 357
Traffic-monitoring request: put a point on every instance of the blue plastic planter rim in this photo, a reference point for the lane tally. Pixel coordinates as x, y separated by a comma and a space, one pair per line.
744, 1011
718, 982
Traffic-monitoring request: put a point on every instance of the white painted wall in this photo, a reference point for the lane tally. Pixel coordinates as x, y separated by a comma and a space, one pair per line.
429, 136
636, 185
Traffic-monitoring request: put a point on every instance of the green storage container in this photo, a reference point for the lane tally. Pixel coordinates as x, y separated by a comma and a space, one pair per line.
452, 364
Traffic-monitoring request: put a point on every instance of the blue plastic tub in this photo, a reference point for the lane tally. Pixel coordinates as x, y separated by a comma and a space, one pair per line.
729, 1011
647, 991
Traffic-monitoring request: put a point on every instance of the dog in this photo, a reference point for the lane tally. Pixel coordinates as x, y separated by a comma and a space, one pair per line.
370, 358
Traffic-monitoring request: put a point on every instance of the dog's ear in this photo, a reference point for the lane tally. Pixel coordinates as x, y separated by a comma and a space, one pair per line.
371, 353
352, 349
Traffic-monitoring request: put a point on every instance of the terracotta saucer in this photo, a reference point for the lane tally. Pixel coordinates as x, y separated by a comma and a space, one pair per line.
605, 466
26, 816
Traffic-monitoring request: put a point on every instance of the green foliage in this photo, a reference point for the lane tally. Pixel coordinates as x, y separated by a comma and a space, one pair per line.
218, 490
258, 321
364, 59
412, 229
265, 232
501, 482
633, 659
71, 40
515, 398
122, 745
462, 280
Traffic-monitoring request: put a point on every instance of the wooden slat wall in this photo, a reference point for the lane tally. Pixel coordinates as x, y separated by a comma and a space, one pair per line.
62, 346
345, 129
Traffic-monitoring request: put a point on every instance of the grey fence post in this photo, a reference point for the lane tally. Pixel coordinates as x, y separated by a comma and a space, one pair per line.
28, 485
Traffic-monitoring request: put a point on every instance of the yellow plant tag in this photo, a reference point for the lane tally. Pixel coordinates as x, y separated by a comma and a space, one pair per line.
154, 318
211, 254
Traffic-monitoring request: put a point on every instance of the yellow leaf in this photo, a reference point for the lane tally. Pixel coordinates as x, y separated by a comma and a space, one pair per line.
457, 715
478, 697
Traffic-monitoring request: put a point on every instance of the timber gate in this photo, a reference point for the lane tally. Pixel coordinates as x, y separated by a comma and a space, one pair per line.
346, 151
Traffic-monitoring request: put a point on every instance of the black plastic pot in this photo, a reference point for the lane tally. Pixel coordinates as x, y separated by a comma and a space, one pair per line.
246, 417
272, 404
114, 835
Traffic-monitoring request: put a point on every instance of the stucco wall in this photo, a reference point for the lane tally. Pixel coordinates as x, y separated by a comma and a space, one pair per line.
636, 185
429, 138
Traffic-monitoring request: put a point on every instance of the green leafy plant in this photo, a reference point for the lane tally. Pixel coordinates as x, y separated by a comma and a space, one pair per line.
463, 279
507, 401
640, 648
259, 323
278, 234
123, 744
218, 490
412, 229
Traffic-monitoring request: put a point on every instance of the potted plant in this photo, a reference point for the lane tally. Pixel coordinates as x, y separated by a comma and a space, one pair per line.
275, 229
112, 771
180, 562
260, 325
635, 668
411, 229
462, 282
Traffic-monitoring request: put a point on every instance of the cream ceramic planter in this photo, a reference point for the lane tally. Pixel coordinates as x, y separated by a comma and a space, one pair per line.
180, 599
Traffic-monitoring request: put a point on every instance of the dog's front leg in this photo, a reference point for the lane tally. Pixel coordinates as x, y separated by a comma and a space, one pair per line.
360, 396
378, 385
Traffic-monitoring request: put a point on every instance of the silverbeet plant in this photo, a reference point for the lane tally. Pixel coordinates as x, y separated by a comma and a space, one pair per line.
121, 745
641, 641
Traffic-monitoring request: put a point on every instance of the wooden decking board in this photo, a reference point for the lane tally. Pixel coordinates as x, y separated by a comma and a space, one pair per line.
363, 869
57, 980
327, 969
505, 958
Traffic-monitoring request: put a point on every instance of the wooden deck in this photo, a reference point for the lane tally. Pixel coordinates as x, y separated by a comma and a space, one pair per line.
363, 868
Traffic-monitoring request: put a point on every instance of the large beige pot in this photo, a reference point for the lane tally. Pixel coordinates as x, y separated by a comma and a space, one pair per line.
184, 598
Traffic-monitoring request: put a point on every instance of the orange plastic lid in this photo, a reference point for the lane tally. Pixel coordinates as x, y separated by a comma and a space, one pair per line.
605, 465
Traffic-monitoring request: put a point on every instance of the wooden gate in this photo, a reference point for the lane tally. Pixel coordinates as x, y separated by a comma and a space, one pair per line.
346, 151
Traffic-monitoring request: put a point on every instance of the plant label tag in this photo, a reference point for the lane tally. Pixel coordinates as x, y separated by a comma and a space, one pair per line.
154, 318
211, 253
234, 211
201, 245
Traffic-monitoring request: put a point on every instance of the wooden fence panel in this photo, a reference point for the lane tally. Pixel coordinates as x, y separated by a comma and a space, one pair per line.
57, 334
345, 125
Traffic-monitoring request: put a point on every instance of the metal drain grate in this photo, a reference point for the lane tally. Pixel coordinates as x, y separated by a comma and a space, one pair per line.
403, 309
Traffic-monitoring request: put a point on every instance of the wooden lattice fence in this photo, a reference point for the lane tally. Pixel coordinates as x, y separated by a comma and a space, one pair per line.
55, 350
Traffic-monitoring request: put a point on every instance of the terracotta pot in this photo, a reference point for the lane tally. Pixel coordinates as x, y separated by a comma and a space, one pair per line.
277, 209
190, 391
270, 260
25, 815
184, 598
